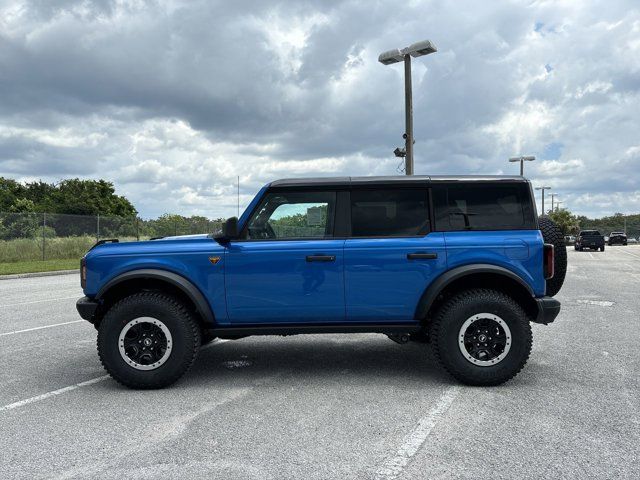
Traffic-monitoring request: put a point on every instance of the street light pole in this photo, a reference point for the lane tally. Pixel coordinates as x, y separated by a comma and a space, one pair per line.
522, 159
558, 205
543, 189
396, 55
408, 115
553, 196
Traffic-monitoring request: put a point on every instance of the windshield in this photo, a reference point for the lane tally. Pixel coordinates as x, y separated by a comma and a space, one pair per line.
589, 232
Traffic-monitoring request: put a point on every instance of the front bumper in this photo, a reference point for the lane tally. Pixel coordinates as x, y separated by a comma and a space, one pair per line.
87, 308
548, 310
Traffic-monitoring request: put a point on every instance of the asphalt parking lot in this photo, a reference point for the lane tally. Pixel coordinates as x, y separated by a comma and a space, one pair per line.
327, 406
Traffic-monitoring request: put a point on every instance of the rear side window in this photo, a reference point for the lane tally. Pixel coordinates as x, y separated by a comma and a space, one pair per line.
389, 212
483, 207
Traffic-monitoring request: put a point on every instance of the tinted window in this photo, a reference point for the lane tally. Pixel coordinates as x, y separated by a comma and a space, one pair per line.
483, 207
389, 213
284, 215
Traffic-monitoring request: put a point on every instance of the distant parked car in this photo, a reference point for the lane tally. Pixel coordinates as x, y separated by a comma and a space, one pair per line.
569, 239
632, 240
617, 238
589, 239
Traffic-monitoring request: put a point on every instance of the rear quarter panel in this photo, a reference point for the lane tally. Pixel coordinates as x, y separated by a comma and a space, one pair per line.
520, 251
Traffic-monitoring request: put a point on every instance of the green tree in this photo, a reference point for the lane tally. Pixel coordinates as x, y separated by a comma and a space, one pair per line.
88, 197
10, 191
73, 196
566, 221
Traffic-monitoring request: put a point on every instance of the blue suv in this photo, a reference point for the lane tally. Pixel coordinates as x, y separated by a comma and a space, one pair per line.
462, 263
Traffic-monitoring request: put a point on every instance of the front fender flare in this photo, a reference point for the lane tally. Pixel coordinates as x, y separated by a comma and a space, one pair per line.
439, 284
178, 281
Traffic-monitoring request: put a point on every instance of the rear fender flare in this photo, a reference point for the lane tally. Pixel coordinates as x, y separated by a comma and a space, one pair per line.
439, 284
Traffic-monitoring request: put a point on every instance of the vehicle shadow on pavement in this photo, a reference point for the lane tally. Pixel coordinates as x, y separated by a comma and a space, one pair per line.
318, 358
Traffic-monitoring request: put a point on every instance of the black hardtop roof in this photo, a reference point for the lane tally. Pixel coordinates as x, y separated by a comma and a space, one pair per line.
389, 180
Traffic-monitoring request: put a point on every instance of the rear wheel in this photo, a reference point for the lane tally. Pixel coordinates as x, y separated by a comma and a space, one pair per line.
481, 337
148, 340
553, 235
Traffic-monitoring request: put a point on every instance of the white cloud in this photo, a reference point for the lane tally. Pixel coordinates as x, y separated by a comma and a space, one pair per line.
172, 101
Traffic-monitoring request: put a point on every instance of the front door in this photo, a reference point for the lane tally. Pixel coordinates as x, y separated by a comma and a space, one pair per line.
288, 267
391, 256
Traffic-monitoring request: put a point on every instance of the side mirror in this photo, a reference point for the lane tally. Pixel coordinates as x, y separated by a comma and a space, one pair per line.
229, 230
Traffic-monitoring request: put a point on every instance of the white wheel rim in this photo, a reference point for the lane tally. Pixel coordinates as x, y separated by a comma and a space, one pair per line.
489, 340
153, 323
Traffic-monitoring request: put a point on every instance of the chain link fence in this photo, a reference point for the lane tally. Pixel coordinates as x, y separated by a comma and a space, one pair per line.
48, 236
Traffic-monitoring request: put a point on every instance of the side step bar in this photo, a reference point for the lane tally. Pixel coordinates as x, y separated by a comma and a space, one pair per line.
247, 330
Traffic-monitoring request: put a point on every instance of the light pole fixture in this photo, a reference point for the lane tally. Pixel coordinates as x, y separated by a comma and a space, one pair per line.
553, 196
543, 189
522, 159
558, 205
396, 55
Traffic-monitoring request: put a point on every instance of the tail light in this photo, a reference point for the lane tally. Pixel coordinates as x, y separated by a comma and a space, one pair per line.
83, 273
549, 261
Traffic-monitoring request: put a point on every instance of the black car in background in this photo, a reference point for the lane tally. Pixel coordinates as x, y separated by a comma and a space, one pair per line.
589, 239
617, 238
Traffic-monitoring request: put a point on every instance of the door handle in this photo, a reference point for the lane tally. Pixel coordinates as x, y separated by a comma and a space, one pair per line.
421, 256
321, 258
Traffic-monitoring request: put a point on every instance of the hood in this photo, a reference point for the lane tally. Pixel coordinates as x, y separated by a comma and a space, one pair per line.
160, 246
184, 237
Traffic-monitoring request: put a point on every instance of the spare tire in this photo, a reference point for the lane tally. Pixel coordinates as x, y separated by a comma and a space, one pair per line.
553, 235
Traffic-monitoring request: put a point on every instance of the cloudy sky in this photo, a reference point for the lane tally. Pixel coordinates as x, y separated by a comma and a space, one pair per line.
173, 100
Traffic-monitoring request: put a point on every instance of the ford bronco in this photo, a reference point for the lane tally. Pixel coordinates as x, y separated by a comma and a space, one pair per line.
462, 263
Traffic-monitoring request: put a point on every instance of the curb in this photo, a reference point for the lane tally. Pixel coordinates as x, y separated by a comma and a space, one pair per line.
38, 274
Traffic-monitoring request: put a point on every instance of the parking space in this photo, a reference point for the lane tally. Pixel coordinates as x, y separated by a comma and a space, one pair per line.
327, 406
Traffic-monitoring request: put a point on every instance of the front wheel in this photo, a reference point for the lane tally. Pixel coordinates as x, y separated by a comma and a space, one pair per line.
148, 340
481, 337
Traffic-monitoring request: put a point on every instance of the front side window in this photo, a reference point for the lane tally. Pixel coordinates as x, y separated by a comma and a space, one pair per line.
400, 212
283, 215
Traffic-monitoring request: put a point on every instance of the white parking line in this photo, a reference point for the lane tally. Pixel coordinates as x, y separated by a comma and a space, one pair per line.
629, 253
591, 255
54, 393
412, 442
40, 328
600, 303
37, 301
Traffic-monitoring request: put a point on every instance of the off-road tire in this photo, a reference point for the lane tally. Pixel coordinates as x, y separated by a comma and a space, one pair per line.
445, 330
552, 234
184, 329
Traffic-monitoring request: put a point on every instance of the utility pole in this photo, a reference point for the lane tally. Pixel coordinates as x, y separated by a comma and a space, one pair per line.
396, 55
522, 159
408, 116
543, 189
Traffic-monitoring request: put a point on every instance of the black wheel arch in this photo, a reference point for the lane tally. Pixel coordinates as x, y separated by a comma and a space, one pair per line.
471, 276
156, 279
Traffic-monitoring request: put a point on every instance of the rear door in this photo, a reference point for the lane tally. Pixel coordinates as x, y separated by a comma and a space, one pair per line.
289, 268
391, 255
